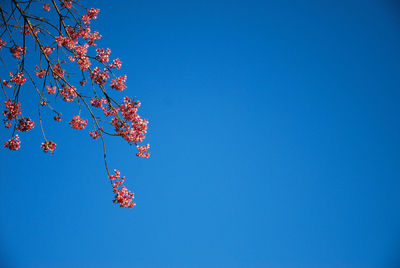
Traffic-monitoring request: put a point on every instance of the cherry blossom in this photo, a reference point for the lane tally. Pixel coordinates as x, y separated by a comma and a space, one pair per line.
17, 51
66, 4
13, 143
18, 78
25, 124
58, 71
67, 54
77, 122
118, 83
103, 55
48, 50
123, 196
41, 73
116, 64
48, 146
143, 151
95, 134
68, 93
51, 90
13, 109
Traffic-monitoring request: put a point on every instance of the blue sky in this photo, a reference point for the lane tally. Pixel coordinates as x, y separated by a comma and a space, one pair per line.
274, 132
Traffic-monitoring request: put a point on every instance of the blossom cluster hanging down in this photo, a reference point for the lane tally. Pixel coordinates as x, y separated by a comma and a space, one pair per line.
69, 66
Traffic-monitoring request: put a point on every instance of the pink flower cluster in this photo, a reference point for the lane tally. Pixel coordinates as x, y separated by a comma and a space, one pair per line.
95, 134
77, 122
91, 14
48, 146
116, 64
98, 103
18, 51
48, 50
51, 90
118, 83
12, 109
25, 124
68, 93
41, 73
13, 143
123, 196
134, 128
58, 72
103, 55
27, 30
99, 77
17, 78
66, 3
143, 151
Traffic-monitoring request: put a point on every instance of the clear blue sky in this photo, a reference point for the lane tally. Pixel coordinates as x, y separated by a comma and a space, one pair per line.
274, 132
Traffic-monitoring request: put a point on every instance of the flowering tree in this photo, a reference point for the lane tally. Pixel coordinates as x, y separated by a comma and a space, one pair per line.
56, 37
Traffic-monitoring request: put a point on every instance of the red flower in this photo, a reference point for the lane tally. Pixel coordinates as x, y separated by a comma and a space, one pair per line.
123, 196
51, 90
25, 124
118, 83
13, 109
13, 143
46, 7
68, 93
77, 122
18, 51
48, 146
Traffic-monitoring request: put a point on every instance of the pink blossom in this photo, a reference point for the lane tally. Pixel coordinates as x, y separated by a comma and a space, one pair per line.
18, 51
68, 93
66, 41
48, 50
98, 103
95, 134
118, 83
66, 4
116, 64
81, 50
12, 109
51, 90
92, 13
48, 146
99, 78
41, 73
17, 78
77, 122
58, 72
123, 196
102, 55
27, 31
7, 84
84, 63
13, 143
25, 124
143, 151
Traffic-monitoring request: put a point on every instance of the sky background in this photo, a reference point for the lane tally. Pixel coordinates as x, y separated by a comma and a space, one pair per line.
275, 140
